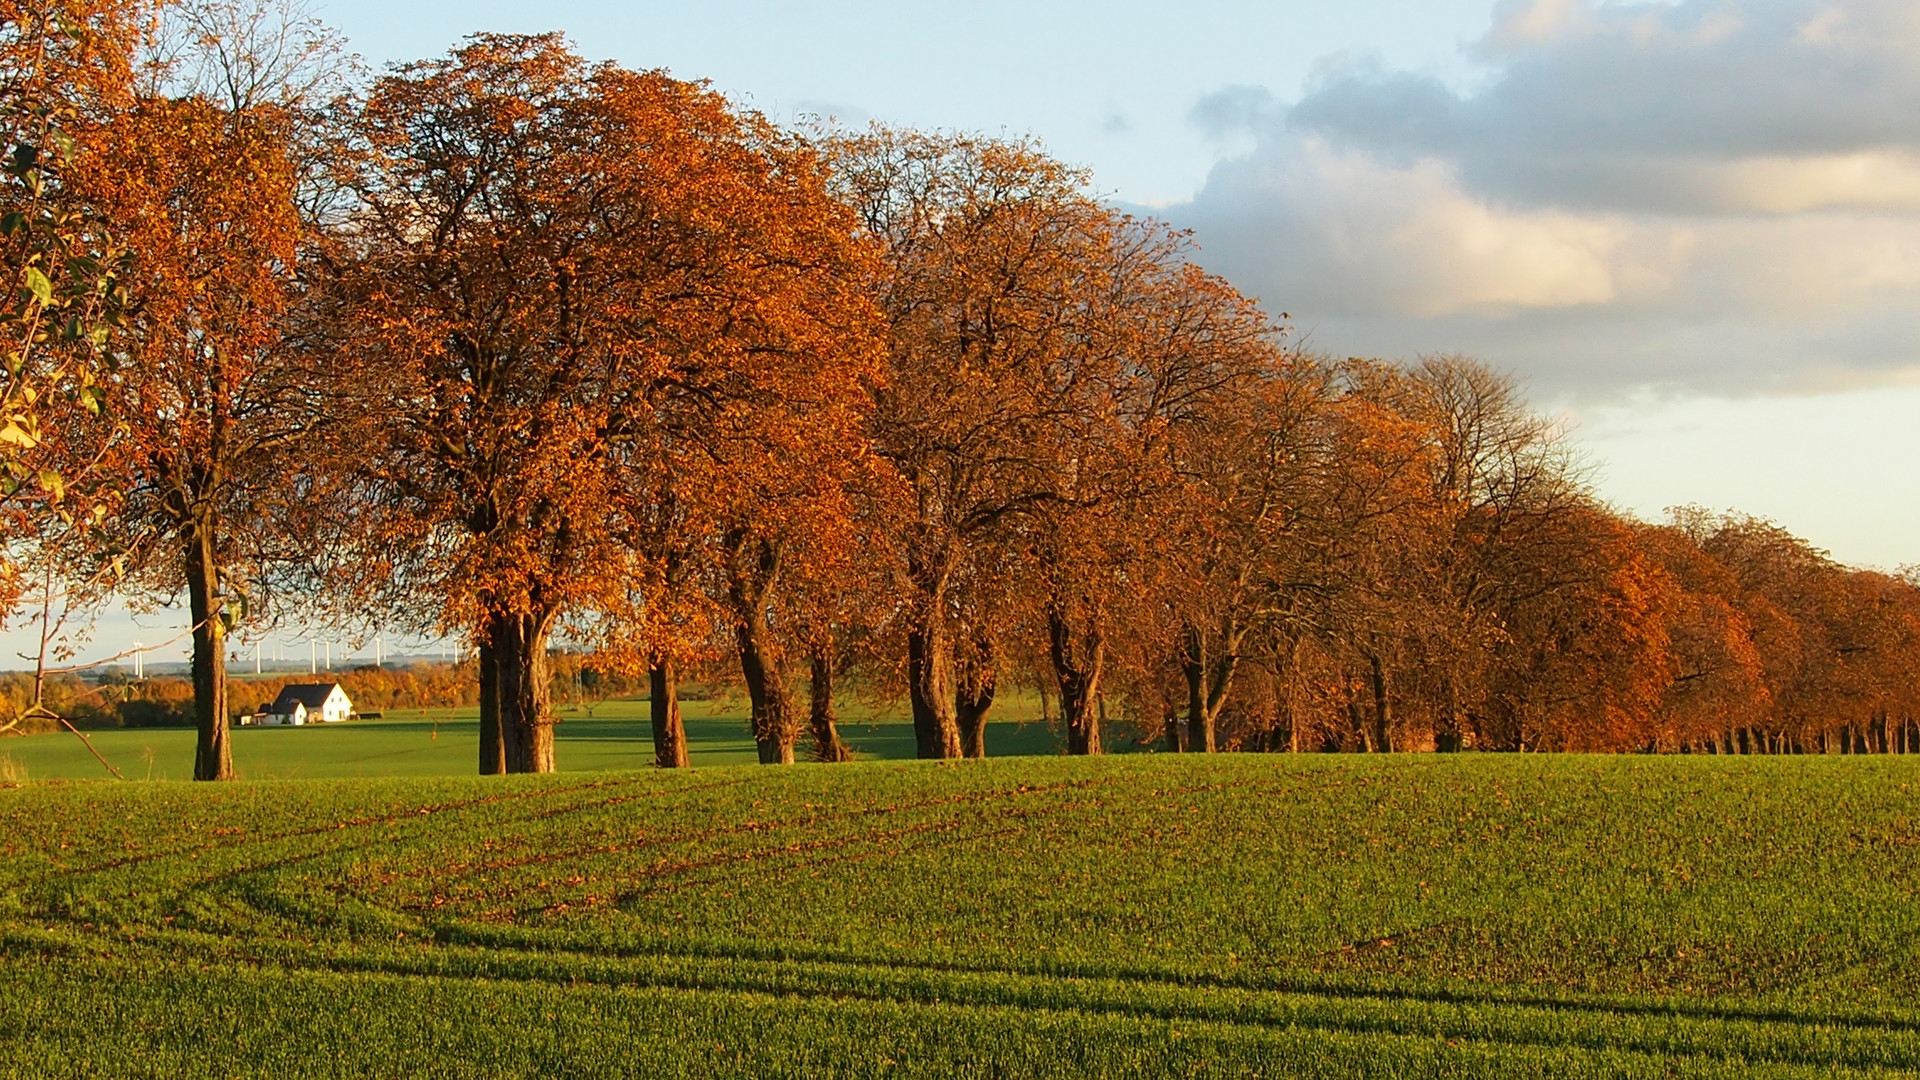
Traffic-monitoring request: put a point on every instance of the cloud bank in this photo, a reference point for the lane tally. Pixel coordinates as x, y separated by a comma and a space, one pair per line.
1717, 195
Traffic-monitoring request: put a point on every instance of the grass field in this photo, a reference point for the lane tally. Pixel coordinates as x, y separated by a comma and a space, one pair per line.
1331, 916
445, 742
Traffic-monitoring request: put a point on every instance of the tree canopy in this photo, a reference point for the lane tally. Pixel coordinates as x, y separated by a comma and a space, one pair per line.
527, 349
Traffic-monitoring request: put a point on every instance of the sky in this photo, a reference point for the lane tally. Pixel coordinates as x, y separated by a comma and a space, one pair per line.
1692, 229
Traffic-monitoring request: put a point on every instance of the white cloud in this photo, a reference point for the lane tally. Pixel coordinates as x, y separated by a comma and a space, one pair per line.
1519, 23
1340, 232
1869, 180
1713, 193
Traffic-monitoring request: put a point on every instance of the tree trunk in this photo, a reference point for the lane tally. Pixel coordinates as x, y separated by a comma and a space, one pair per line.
213, 753
826, 731
1200, 730
1356, 721
753, 574
774, 751
1282, 737
1077, 662
936, 730
530, 737
1382, 714
1287, 683
773, 720
1447, 739
522, 691
493, 749
1208, 682
972, 698
663, 707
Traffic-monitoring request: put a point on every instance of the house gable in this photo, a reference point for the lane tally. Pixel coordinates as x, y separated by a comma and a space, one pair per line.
318, 701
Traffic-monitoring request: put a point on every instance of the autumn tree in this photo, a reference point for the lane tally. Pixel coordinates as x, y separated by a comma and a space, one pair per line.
1357, 576
832, 596
1832, 642
1029, 328
66, 73
554, 266
1245, 473
1162, 349
211, 413
787, 463
1719, 677
977, 238
1585, 656
1504, 474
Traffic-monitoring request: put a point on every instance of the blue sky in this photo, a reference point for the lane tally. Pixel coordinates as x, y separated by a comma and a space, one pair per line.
1693, 228
1109, 85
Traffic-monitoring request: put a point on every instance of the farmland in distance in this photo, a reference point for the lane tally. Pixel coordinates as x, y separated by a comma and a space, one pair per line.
613, 734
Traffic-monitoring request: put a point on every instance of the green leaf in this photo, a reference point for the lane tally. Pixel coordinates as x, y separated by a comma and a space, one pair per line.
232, 614
39, 286
12, 222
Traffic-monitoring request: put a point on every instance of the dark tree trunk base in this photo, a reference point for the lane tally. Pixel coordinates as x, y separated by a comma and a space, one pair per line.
213, 750
827, 745
972, 700
519, 695
663, 706
936, 729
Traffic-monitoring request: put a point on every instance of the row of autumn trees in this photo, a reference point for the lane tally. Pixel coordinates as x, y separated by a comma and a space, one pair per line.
525, 348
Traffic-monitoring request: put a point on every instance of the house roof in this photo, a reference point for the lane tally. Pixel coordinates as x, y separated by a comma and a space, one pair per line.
312, 695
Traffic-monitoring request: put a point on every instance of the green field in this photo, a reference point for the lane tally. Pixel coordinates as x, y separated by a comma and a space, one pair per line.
445, 742
1240, 915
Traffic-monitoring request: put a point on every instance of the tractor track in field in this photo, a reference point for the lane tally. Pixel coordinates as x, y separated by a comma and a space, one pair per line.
1857, 1043
1263, 983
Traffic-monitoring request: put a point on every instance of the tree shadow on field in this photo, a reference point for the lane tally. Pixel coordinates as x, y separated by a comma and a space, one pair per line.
719, 735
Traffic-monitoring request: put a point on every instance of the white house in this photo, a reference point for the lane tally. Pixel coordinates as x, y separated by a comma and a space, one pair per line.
309, 703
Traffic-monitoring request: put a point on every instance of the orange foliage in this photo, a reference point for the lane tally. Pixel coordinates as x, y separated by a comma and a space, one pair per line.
595, 312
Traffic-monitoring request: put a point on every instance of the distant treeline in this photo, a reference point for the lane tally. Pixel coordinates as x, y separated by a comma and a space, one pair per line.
167, 701
112, 699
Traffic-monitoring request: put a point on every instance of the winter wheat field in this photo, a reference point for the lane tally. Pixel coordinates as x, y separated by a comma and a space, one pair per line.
1240, 915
